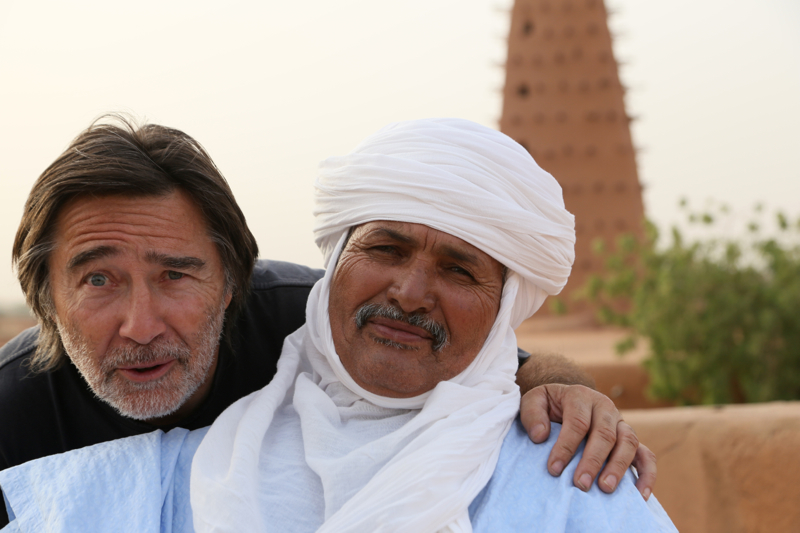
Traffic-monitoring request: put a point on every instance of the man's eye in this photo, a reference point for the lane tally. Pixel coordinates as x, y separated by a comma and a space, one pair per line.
461, 271
385, 249
174, 275
98, 280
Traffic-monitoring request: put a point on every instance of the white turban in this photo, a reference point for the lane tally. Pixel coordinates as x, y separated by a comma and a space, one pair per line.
460, 178
424, 459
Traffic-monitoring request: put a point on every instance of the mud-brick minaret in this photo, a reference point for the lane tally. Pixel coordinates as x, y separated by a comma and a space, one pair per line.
563, 101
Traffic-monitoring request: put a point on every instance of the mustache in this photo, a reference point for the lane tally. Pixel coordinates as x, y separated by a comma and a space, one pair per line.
143, 354
420, 320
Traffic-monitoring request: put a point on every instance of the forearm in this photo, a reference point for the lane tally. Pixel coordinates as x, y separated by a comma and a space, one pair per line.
542, 369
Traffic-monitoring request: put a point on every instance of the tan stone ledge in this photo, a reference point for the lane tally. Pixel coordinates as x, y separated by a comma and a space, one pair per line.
726, 469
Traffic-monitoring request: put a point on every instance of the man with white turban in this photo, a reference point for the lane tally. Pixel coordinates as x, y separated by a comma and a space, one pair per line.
440, 237
394, 407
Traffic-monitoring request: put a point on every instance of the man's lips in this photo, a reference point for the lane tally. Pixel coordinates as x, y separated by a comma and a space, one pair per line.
145, 372
399, 332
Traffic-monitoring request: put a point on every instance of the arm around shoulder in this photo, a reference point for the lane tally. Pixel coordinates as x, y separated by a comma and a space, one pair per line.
542, 369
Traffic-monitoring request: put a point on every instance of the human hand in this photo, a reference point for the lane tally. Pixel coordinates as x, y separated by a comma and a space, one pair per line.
583, 411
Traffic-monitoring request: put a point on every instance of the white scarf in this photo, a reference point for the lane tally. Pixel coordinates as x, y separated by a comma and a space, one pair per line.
457, 177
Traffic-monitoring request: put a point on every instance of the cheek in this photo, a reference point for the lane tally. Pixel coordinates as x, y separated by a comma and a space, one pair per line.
474, 316
188, 314
354, 284
74, 312
91, 332
336, 303
97, 329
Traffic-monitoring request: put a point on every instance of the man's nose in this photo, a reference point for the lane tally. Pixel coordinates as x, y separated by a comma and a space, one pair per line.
143, 318
412, 289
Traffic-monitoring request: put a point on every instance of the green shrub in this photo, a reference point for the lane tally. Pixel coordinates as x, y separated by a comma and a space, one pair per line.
722, 315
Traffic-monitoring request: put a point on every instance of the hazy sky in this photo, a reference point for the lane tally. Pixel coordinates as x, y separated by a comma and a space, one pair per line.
271, 88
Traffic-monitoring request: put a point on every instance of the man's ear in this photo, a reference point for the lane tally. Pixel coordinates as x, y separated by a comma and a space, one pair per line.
228, 298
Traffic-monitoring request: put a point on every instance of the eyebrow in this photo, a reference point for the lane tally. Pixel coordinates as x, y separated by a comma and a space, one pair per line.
386, 232
91, 255
168, 261
175, 262
446, 249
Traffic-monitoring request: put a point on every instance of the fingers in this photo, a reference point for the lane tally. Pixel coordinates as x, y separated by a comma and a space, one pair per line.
603, 439
645, 463
576, 403
620, 459
534, 412
583, 411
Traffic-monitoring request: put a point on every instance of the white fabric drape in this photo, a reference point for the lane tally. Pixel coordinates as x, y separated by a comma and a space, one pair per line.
421, 474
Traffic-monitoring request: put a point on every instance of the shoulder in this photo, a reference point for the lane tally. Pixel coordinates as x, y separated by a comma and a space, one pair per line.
521, 493
67, 485
18, 385
269, 274
275, 307
26, 404
87, 489
19, 347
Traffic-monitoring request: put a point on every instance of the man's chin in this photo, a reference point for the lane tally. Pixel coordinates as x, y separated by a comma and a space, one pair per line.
146, 401
144, 409
394, 344
393, 374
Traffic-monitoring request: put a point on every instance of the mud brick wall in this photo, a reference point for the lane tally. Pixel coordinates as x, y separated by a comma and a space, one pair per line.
730, 469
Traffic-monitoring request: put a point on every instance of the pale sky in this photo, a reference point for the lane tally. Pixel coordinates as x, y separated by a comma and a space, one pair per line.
270, 89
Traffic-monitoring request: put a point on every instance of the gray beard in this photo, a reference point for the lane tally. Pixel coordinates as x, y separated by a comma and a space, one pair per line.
156, 398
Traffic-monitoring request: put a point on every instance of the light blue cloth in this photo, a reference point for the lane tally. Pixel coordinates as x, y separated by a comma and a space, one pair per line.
523, 496
141, 484
137, 485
